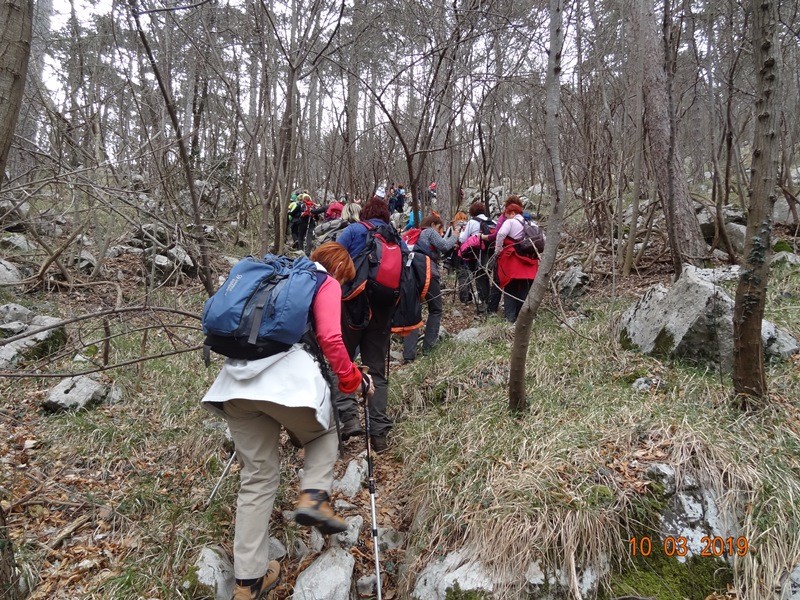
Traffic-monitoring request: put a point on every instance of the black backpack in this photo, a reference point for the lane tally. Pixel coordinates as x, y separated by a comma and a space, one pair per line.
532, 242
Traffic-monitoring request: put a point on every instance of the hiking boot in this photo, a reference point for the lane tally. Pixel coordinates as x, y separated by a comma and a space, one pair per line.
351, 428
262, 586
314, 510
379, 443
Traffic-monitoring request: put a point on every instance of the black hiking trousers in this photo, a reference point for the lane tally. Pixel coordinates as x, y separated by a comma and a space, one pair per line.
372, 343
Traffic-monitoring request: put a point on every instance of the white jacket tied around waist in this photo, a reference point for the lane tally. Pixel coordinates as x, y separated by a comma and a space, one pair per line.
292, 378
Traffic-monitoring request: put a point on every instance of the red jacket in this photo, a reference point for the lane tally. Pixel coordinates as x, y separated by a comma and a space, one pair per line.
511, 265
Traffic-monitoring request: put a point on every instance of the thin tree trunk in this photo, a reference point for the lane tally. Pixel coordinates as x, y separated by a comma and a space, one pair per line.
522, 332
15, 51
685, 238
749, 377
205, 266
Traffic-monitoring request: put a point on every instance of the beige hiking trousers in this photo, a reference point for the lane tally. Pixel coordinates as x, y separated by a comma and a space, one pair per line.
255, 426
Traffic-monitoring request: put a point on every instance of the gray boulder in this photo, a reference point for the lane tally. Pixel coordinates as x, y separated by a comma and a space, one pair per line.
787, 257
349, 538
350, 483
455, 569
16, 241
45, 334
212, 575
736, 235
75, 393
9, 273
328, 578
572, 282
85, 261
693, 320
791, 586
782, 213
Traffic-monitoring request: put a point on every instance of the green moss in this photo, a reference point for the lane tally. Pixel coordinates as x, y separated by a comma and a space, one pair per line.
664, 344
625, 340
456, 593
659, 576
782, 246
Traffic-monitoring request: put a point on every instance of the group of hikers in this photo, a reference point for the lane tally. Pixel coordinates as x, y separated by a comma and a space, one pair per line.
353, 312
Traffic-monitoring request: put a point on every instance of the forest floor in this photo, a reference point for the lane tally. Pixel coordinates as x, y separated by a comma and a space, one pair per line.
110, 503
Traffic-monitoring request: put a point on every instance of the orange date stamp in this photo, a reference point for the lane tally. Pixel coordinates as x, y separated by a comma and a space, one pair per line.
717, 547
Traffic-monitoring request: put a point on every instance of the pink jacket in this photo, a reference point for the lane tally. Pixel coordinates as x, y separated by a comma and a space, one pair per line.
327, 313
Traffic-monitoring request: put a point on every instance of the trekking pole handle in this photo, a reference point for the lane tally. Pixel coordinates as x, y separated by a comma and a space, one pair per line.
366, 382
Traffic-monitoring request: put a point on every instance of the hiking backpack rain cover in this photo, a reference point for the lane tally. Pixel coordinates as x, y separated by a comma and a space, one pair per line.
262, 308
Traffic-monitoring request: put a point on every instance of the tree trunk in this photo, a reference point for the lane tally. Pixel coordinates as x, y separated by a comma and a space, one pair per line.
522, 332
15, 51
749, 378
685, 238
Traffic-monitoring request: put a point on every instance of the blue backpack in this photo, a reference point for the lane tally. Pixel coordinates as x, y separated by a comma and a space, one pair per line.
262, 308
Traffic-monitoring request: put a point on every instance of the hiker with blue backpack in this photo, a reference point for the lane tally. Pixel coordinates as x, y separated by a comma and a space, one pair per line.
369, 301
432, 244
274, 377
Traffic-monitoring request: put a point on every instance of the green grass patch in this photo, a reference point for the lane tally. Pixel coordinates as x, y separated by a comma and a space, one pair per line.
514, 490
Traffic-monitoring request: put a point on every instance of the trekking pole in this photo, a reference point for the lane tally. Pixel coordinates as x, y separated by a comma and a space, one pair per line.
221, 478
371, 476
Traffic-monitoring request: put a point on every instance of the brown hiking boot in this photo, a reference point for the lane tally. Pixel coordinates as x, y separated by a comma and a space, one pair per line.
379, 443
314, 510
262, 586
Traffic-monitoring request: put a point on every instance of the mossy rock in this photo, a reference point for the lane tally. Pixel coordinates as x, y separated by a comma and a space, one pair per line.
456, 593
665, 578
782, 246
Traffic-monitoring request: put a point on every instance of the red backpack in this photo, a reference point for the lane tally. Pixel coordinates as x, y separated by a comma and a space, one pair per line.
379, 267
411, 236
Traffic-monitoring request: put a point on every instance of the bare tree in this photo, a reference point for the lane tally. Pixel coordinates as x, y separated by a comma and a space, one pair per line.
685, 238
522, 331
749, 377
15, 48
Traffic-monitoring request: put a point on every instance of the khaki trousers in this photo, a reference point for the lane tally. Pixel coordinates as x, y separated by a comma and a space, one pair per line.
255, 427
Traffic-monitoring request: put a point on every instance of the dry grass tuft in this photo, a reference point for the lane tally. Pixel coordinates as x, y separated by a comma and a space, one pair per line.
567, 483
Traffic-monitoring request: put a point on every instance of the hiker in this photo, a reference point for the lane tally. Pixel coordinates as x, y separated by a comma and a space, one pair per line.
432, 244
330, 230
456, 263
397, 199
310, 213
370, 336
477, 260
294, 211
257, 398
515, 273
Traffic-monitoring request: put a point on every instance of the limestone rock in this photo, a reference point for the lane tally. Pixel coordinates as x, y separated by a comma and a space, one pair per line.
445, 574
328, 578
572, 283
692, 320
350, 483
76, 393
9, 273
212, 575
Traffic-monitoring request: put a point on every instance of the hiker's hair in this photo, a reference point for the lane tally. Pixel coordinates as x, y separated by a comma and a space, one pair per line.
459, 216
477, 208
430, 221
351, 212
513, 200
375, 209
336, 260
515, 209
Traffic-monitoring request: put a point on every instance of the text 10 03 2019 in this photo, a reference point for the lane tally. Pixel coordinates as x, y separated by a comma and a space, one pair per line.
716, 547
